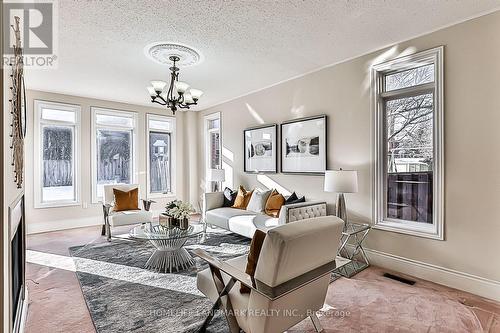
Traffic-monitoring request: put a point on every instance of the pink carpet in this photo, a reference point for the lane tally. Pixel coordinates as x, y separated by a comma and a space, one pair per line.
359, 305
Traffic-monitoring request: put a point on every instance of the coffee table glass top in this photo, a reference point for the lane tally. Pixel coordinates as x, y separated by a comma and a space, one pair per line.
151, 231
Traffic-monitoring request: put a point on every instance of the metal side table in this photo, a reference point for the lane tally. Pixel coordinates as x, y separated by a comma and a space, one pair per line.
356, 232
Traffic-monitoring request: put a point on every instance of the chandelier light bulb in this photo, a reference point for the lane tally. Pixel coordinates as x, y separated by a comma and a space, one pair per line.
158, 85
151, 91
196, 93
188, 99
181, 87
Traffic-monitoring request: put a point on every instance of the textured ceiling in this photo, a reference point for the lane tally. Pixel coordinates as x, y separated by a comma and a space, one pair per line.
246, 44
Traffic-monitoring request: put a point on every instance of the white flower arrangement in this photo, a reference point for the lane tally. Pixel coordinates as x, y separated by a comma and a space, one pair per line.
179, 209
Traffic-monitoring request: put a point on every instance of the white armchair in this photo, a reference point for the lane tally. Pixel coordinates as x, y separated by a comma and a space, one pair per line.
115, 219
290, 282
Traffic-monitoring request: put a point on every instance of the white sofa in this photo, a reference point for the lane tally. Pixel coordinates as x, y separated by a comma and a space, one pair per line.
245, 222
115, 219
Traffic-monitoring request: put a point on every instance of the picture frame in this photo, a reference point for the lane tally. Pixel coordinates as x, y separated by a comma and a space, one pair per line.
260, 146
304, 146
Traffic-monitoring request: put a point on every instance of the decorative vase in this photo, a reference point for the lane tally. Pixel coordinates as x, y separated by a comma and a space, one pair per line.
183, 223
172, 222
163, 219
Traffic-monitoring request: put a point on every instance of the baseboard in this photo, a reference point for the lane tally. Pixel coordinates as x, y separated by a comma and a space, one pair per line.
57, 225
451, 278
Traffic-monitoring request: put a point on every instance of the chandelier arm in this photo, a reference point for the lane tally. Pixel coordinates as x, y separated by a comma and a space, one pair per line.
163, 102
161, 98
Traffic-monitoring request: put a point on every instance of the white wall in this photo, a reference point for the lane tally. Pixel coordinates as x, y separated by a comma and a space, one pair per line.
87, 213
10, 192
472, 143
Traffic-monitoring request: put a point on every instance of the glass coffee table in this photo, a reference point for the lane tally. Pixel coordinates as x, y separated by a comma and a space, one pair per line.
170, 255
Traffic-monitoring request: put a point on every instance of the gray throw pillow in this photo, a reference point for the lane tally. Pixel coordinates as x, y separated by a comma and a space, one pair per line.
258, 201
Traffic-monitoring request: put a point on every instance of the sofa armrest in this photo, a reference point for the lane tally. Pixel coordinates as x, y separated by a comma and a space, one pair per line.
301, 211
212, 200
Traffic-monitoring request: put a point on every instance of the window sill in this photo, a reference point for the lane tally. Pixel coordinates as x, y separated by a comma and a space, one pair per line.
56, 205
409, 228
161, 195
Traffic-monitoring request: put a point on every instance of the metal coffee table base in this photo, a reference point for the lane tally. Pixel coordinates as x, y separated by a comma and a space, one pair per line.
169, 256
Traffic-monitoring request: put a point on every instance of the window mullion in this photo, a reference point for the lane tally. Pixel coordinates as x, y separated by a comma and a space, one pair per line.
409, 91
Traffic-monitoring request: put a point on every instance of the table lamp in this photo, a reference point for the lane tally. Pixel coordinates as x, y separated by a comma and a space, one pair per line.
216, 176
341, 181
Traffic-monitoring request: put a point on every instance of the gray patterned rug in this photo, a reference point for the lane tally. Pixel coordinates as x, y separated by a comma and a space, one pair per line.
122, 296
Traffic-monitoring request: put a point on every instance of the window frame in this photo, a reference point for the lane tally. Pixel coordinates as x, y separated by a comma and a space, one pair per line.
173, 161
206, 139
39, 123
379, 71
94, 110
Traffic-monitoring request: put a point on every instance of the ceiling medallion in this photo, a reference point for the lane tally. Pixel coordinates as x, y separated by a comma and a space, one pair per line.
161, 52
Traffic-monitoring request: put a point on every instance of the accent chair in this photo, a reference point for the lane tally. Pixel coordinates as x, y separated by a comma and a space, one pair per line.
291, 278
129, 217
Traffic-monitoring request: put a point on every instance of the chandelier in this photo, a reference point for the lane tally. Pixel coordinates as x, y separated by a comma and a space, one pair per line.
179, 95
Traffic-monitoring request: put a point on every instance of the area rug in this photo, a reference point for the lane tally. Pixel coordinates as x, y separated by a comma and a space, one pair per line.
122, 296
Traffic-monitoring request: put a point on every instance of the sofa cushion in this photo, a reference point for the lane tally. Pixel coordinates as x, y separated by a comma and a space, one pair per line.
109, 197
293, 199
246, 225
242, 198
253, 256
229, 197
126, 200
274, 203
220, 216
129, 217
258, 201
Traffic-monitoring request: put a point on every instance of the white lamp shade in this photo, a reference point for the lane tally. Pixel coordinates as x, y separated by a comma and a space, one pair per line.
151, 91
188, 99
341, 181
196, 93
158, 85
216, 175
181, 87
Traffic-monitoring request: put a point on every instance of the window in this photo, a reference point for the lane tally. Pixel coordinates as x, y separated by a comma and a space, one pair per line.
57, 127
113, 149
161, 150
409, 144
213, 142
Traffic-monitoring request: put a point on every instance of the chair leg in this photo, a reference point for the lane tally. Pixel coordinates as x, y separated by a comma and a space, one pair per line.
108, 231
316, 323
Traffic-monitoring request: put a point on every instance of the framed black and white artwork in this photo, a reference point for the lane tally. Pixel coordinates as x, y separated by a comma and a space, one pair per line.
261, 149
304, 145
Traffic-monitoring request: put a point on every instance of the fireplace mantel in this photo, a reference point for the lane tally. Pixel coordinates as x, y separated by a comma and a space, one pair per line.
17, 265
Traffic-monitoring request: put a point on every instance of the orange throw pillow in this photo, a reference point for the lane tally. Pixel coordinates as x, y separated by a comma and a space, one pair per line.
126, 200
242, 198
253, 256
274, 203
